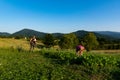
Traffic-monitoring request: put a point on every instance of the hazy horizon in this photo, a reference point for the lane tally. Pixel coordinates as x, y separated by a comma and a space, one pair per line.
62, 16
56, 32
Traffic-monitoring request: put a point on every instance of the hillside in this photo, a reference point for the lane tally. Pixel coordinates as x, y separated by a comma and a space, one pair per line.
29, 33
14, 43
110, 33
57, 35
80, 33
4, 34
49, 64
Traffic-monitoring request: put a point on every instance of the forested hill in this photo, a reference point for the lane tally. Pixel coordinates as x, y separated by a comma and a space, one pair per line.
110, 33
28, 33
4, 34
82, 33
79, 34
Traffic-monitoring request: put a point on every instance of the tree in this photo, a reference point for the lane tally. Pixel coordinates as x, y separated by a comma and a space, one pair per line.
48, 40
90, 41
68, 41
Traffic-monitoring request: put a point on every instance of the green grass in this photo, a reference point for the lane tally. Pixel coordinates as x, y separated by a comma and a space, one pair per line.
19, 65
16, 43
49, 64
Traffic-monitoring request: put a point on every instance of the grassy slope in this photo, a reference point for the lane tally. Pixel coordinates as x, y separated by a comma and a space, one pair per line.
54, 65
16, 65
15, 43
10, 42
49, 65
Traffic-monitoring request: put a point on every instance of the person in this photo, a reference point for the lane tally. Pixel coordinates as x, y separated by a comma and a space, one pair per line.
79, 50
32, 43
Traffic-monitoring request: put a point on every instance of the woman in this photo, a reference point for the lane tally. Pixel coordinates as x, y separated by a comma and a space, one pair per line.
32, 43
79, 50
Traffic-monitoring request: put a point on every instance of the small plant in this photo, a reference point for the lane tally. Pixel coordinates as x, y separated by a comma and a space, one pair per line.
19, 48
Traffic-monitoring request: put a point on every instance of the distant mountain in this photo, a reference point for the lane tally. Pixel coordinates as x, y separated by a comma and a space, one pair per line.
29, 33
80, 33
115, 35
4, 34
57, 35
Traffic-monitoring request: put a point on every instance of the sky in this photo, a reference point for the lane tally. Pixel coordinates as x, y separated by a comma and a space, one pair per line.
63, 16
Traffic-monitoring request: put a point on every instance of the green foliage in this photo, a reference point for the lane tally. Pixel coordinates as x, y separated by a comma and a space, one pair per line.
102, 39
18, 37
98, 66
90, 41
86, 60
4, 35
57, 65
68, 41
48, 40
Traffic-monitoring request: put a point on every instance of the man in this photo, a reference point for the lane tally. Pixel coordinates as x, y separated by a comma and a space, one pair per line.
79, 50
32, 43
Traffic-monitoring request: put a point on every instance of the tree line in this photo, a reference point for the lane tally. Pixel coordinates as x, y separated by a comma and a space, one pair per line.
90, 41
67, 41
70, 41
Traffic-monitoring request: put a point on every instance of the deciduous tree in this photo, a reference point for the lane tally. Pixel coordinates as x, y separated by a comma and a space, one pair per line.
48, 40
68, 41
90, 41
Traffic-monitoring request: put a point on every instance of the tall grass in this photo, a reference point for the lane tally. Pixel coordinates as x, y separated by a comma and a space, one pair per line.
14, 43
93, 66
16, 65
51, 64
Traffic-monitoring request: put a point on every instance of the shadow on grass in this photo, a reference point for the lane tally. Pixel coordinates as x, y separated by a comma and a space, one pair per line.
116, 75
65, 60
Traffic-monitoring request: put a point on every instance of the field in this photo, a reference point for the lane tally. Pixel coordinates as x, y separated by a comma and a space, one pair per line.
14, 43
51, 64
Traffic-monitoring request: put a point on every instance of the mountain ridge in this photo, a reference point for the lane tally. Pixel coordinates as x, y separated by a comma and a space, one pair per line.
4, 34
80, 33
110, 33
28, 33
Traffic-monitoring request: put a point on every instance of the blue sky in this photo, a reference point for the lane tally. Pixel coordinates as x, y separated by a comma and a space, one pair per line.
62, 16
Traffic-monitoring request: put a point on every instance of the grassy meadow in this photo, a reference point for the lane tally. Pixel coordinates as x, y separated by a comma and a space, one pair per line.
15, 43
11, 42
51, 64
